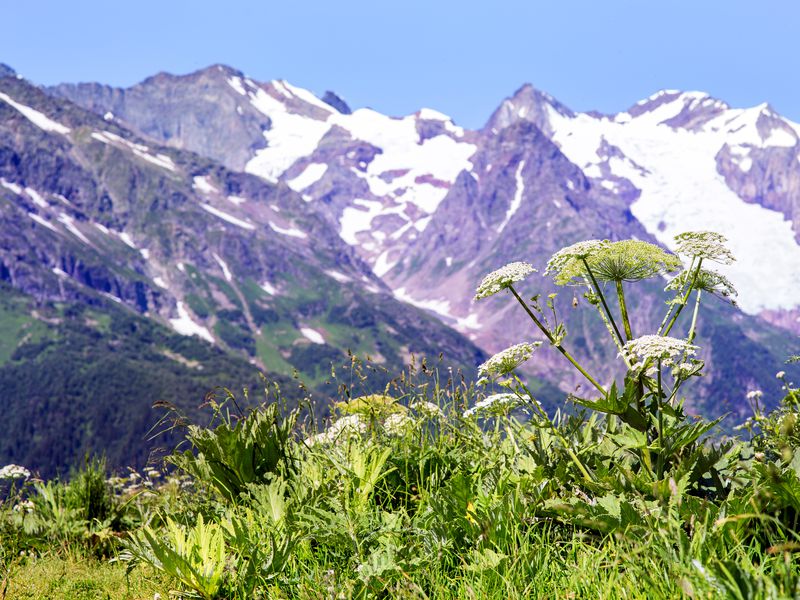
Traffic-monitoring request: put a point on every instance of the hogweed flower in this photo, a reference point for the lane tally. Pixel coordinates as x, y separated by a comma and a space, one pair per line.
507, 360
567, 264
14, 472
631, 260
755, 395
397, 423
707, 245
656, 348
706, 280
426, 409
780, 374
496, 404
503, 278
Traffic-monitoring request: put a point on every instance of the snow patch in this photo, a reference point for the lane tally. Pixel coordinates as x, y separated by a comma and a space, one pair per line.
39, 119
140, 150
237, 200
37, 198
70, 225
226, 217
42, 221
11, 186
159, 282
204, 185
291, 232
516, 202
382, 264
127, 239
312, 335
186, 326
310, 175
340, 277
223, 265
269, 288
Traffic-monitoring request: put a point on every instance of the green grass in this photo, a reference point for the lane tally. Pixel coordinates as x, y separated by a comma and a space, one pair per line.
64, 577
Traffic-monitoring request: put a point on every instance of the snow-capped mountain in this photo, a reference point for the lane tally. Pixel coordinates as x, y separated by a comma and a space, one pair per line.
678, 159
431, 207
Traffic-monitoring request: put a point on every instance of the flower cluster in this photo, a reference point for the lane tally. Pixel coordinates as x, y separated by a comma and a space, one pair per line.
631, 260
707, 280
567, 264
650, 349
496, 404
503, 278
349, 426
397, 423
507, 360
14, 472
427, 409
704, 244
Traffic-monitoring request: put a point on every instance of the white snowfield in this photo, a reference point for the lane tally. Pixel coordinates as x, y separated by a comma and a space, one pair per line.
140, 150
681, 189
186, 326
39, 119
312, 335
411, 174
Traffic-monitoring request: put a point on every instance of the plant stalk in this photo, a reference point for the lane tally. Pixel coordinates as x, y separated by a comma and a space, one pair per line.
552, 341
685, 298
692, 329
603, 300
623, 308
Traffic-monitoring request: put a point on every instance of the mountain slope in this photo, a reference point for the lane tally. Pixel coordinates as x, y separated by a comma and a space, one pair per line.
94, 216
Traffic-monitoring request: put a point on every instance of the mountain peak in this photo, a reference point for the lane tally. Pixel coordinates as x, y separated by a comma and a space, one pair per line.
336, 102
529, 104
6, 71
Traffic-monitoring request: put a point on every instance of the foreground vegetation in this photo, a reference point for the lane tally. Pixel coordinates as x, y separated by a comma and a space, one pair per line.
438, 489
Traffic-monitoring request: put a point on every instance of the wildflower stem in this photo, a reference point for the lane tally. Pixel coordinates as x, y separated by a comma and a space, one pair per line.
685, 298
671, 306
660, 409
623, 308
692, 329
552, 340
603, 300
538, 407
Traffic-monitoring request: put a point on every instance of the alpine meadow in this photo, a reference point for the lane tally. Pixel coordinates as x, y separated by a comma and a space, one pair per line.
262, 342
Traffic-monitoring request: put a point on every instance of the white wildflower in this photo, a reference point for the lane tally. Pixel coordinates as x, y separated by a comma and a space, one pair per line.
566, 264
496, 404
507, 360
346, 427
14, 472
755, 395
26, 506
707, 280
153, 474
780, 374
502, 278
655, 348
686, 369
427, 409
704, 244
397, 424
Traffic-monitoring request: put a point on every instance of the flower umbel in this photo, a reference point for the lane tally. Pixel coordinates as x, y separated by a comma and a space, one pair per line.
653, 348
567, 264
507, 360
704, 244
496, 404
631, 260
502, 278
14, 472
707, 280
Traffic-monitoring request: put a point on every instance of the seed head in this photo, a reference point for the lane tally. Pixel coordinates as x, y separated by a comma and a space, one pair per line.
507, 360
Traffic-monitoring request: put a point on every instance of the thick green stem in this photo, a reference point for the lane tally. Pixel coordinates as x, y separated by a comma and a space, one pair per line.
552, 341
672, 306
623, 308
538, 408
660, 410
685, 298
603, 300
692, 329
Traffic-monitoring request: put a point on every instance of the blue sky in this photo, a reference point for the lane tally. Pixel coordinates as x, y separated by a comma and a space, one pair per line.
461, 57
